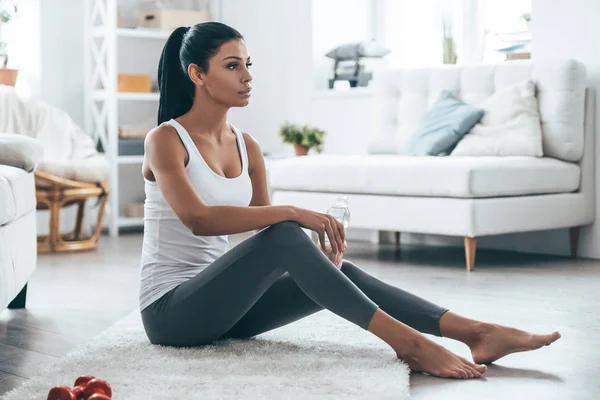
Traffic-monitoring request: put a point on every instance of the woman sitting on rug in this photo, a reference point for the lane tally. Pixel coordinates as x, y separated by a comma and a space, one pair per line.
204, 180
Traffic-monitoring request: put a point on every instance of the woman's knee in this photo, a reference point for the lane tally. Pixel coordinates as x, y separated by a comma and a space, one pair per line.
285, 227
348, 267
286, 231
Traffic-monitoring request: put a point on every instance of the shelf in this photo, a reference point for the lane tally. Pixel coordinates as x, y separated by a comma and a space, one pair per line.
130, 222
364, 91
130, 159
141, 33
101, 95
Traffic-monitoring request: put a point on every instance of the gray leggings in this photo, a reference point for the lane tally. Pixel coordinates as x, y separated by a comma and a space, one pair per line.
271, 279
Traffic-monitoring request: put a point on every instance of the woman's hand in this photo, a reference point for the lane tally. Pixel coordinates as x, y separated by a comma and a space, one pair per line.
336, 258
323, 224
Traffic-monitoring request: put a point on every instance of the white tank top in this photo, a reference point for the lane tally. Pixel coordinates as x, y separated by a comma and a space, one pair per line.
171, 253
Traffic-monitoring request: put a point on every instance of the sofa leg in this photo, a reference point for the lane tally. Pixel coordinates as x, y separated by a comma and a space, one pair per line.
397, 239
574, 237
19, 301
470, 248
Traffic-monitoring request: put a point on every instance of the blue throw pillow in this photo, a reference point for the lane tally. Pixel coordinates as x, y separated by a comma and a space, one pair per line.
448, 120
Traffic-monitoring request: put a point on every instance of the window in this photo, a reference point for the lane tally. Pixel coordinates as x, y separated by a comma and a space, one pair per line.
479, 31
412, 30
482, 31
504, 26
336, 22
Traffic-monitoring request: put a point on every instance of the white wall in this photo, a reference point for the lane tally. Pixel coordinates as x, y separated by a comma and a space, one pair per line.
275, 33
61, 73
61, 24
279, 37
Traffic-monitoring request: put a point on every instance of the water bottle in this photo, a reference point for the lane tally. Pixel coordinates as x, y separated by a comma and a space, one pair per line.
339, 210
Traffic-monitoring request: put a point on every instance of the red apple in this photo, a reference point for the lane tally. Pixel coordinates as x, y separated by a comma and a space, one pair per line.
97, 386
61, 393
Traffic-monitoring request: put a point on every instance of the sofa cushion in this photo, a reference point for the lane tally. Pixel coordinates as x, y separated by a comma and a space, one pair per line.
20, 151
91, 169
403, 97
443, 126
510, 127
463, 177
17, 193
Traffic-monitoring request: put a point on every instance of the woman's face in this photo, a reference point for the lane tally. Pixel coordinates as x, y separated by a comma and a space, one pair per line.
228, 80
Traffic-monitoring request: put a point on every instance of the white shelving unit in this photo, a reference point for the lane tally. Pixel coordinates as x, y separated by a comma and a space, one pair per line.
103, 58
101, 95
134, 33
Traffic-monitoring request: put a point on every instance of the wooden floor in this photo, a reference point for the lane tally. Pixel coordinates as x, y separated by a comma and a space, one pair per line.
73, 297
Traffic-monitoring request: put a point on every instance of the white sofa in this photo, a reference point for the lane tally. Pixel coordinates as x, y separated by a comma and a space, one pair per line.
18, 236
465, 196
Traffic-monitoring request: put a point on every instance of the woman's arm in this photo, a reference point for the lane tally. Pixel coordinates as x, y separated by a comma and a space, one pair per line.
164, 162
258, 173
165, 157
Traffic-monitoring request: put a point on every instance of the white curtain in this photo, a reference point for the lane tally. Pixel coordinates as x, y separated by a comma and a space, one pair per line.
413, 32
473, 32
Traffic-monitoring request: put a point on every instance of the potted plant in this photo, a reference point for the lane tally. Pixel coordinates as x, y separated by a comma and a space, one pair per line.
8, 10
448, 44
302, 137
527, 18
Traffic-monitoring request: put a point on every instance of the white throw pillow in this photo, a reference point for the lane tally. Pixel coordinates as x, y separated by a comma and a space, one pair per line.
20, 151
90, 169
510, 126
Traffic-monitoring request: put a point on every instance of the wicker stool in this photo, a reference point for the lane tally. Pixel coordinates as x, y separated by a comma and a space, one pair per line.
53, 193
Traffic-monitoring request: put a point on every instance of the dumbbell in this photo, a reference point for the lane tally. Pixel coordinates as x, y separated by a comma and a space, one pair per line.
86, 387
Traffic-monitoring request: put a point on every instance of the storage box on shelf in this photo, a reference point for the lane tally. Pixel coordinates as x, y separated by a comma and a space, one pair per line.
132, 132
131, 147
168, 19
134, 210
139, 83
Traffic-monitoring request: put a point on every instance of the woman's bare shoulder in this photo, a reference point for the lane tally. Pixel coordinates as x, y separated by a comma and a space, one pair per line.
253, 148
163, 146
162, 140
163, 134
251, 143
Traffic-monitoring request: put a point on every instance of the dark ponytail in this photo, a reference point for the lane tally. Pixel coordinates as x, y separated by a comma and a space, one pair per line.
176, 89
185, 46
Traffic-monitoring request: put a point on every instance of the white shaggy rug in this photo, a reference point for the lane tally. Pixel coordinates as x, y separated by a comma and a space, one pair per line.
318, 357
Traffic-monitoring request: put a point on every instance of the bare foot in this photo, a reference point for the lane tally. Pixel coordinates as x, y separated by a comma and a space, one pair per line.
496, 341
424, 355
